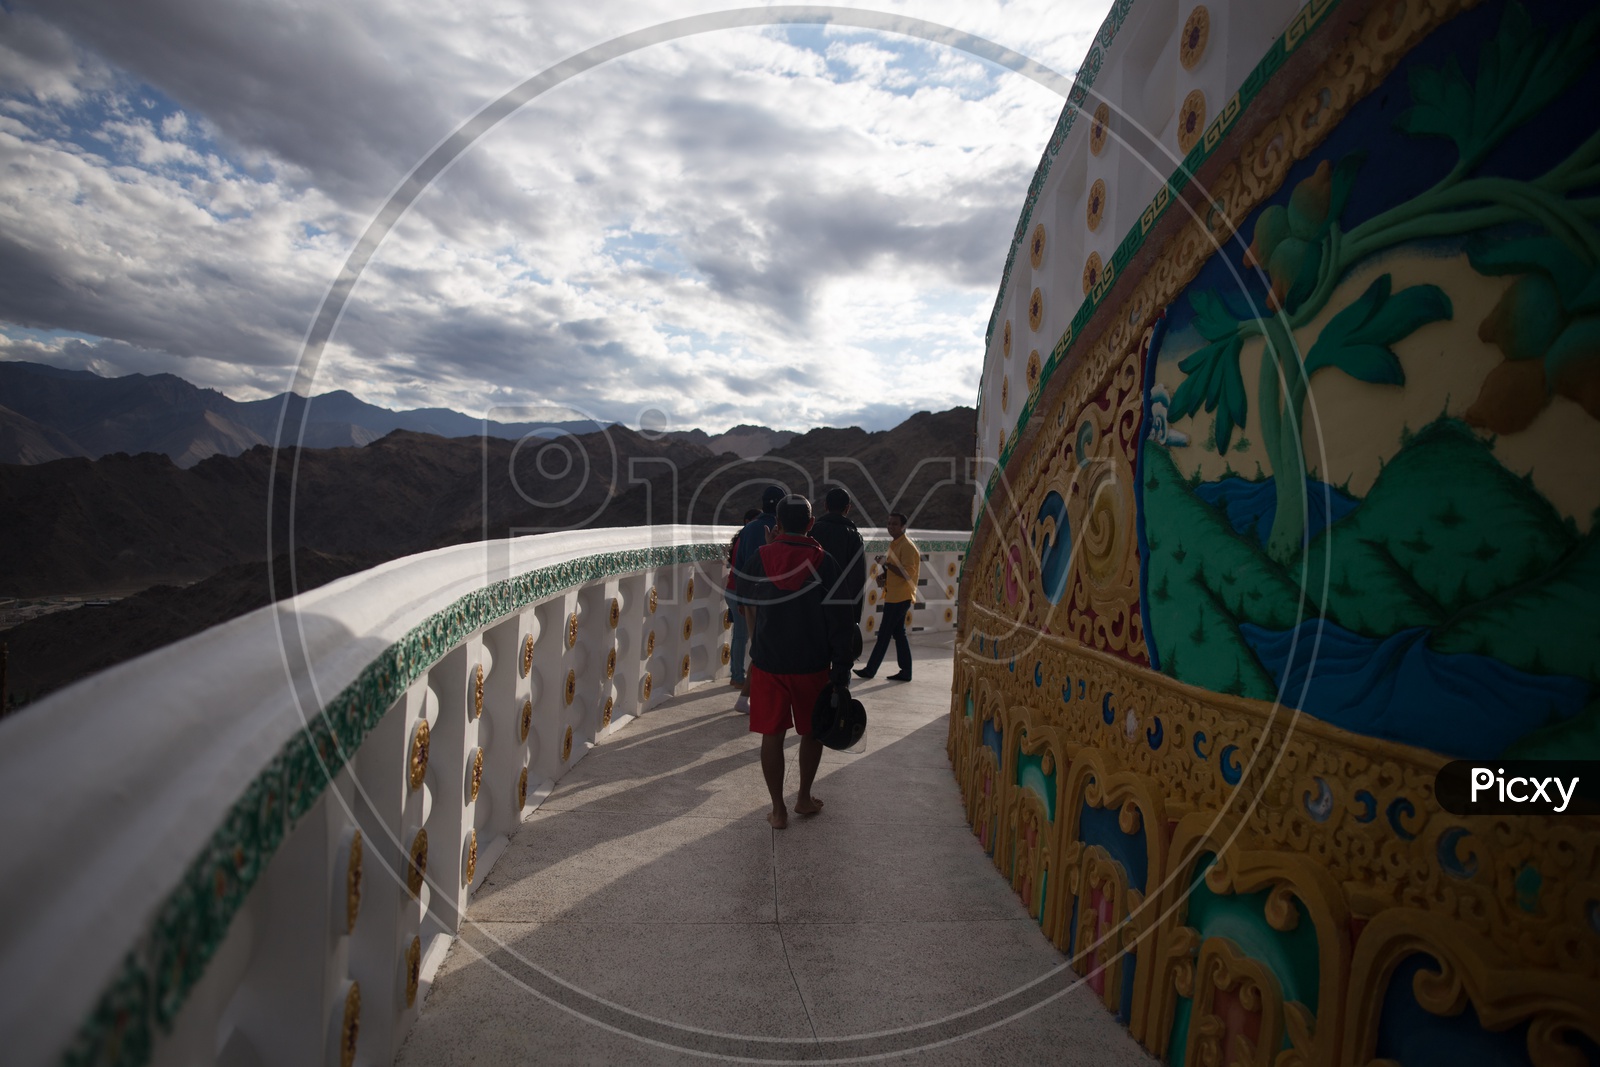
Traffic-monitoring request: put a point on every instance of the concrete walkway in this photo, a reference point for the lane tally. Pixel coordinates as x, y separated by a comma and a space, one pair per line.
646, 913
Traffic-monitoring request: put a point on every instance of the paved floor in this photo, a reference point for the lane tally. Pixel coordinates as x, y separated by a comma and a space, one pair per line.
646, 913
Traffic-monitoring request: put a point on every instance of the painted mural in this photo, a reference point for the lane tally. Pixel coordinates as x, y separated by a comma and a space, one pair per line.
1304, 508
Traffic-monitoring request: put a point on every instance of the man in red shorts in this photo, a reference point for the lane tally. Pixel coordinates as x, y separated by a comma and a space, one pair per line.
799, 644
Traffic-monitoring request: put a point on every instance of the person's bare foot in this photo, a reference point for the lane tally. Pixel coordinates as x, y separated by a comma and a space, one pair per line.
809, 806
778, 819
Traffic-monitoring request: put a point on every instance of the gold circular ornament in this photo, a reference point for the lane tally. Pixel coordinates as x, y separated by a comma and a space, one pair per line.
566, 745
727, 655
1099, 129
419, 753
526, 723
683, 669
1191, 120
652, 600
950, 570
471, 866
1096, 208
949, 592
650, 644
522, 789
1005, 397
688, 627
413, 970
647, 685
1196, 32
870, 623
949, 615
727, 619
1035, 310
475, 779
1033, 370
572, 686
611, 663
1092, 269
572, 629
1036, 247
1002, 440
352, 884
419, 863
616, 612
1005, 345
527, 655
872, 596
477, 692
688, 591
350, 1026
605, 712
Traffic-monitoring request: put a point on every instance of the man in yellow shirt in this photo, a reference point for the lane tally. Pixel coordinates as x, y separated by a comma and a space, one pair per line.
899, 581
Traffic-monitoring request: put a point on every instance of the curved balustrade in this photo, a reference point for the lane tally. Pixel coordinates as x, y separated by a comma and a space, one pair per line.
201, 866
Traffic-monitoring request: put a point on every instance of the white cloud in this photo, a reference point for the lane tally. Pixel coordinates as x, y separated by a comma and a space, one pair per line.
786, 225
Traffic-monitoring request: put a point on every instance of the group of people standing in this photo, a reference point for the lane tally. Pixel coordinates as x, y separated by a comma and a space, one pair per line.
796, 589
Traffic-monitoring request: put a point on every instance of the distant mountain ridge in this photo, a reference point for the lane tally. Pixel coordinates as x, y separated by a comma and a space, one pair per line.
49, 413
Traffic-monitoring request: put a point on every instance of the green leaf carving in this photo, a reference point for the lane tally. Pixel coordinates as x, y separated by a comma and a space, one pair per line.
1357, 339
1213, 381
1518, 74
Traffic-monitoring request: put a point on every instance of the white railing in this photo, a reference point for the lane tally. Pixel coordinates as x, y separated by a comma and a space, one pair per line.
253, 846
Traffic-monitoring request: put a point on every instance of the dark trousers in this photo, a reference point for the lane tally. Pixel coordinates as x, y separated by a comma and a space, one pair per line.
893, 625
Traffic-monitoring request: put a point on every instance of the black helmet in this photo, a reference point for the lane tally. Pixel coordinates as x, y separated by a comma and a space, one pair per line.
841, 727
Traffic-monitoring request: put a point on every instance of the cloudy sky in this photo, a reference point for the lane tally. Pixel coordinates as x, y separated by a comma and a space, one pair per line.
788, 225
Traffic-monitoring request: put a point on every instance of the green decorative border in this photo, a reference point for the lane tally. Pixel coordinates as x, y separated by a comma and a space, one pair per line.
881, 544
1303, 23
156, 977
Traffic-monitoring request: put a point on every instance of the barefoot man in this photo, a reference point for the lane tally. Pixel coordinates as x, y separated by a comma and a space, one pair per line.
798, 645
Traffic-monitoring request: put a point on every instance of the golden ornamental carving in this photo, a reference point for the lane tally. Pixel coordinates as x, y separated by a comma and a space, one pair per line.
650, 644
1099, 128
566, 745
352, 883
571, 690
605, 712
413, 970
475, 776
1093, 268
871, 622
652, 600
611, 662
950, 569
1005, 344
1214, 1036
683, 670
1036, 247
522, 789
1033, 370
949, 592
949, 614
527, 655
1191, 120
688, 627
615, 614
525, 724
418, 868
688, 589
1192, 42
417, 763
1005, 403
470, 867
727, 619
1095, 209
477, 691
1035, 310
350, 1026
727, 655
572, 629
646, 685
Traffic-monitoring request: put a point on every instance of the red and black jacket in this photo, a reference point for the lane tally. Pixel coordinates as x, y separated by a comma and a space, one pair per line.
796, 632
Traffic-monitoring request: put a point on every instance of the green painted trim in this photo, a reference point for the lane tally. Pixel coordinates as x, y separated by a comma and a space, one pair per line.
159, 972
1169, 194
881, 544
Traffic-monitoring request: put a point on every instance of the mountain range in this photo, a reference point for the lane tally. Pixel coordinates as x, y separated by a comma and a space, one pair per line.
49, 413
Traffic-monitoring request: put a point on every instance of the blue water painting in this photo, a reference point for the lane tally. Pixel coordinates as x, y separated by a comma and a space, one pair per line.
1397, 688
1250, 506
